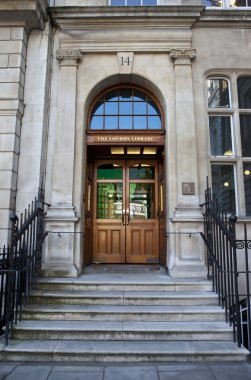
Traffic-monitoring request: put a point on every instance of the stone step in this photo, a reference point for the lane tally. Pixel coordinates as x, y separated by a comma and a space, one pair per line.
119, 351
98, 330
123, 313
122, 298
121, 284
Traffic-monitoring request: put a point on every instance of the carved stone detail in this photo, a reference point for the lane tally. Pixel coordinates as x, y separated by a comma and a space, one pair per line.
69, 57
182, 56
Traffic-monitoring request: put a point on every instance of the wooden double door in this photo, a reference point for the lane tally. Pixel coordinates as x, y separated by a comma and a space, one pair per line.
125, 212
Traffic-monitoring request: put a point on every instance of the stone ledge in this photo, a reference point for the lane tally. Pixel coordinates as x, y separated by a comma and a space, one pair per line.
62, 16
32, 12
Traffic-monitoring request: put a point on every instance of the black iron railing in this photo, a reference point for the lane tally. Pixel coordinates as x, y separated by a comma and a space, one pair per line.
20, 263
229, 261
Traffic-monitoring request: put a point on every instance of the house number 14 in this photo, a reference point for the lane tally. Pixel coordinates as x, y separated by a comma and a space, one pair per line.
125, 61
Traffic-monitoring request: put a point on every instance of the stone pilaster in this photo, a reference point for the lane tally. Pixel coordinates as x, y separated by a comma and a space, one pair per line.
61, 216
189, 260
187, 172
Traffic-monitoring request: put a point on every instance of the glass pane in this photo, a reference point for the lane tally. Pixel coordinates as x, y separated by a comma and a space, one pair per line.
141, 171
110, 171
244, 92
223, 186
98, 108
218, 93
142, 201
240, 3
112, 96
153, 109
125, 94
117, 2
154, 122
247, 186
149, 2
125, 108
138, 96
111, 122
220, 135
213, 3
125, 122
133, 2
96, 122
139, 108
109, 200
111, 108
140, 122
245, 123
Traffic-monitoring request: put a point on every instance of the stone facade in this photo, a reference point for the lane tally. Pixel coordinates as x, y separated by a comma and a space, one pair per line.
55, 57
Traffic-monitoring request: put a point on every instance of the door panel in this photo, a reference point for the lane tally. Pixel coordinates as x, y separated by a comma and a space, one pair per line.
126, 226
108, 228
142, 243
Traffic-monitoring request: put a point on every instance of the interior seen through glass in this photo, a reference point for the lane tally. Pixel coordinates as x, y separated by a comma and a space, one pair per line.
140, 194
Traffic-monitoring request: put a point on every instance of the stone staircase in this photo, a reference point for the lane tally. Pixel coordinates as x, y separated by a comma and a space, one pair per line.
123, 317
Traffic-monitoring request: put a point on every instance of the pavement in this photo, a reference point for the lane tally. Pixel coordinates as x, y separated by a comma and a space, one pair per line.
124, 371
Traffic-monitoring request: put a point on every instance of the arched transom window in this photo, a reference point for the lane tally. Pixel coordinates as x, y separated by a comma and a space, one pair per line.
125, 108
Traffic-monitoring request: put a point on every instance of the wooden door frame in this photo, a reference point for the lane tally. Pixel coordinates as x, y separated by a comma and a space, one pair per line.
126, 163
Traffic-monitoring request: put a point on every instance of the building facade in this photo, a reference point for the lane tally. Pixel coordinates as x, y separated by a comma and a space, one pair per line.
120, 110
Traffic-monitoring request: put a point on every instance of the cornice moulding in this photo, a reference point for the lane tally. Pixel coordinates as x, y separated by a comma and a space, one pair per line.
120, 38
129, 23
130, 46
32, 12
80, 17
161, 16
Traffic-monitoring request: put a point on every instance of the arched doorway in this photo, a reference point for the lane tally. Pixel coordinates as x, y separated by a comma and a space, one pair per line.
125, 182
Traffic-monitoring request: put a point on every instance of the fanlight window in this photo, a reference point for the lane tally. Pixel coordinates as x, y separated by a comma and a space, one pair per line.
125, 108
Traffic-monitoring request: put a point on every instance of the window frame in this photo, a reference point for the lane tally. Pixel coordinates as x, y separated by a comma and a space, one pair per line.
234, 112
226, 5
121, 131
229, 92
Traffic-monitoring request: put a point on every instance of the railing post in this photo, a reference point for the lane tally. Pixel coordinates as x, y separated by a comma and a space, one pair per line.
222, 248
21, 263
247, 286
10, 279
232, 221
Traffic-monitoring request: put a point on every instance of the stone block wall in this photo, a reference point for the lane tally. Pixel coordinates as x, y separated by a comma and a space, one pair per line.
13, 47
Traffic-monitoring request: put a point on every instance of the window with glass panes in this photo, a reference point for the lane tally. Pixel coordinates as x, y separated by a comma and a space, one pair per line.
131, 3
230, 141
125, 108
227, 3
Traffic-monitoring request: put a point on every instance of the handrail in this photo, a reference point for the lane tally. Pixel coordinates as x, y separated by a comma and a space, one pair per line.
20, 263
228, 267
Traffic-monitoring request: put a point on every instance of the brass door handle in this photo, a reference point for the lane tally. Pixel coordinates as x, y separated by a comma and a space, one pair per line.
123, 217
127, 217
